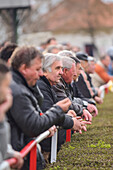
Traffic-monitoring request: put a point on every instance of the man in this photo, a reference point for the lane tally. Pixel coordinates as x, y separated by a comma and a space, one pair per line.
63, 89
53, 49
51, 41
84, 81
52, 68
77, 93
101, 76
6, 150
24, 115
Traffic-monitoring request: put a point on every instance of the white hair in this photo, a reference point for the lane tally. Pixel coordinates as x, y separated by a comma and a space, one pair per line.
66, 53
49, 59
66, 60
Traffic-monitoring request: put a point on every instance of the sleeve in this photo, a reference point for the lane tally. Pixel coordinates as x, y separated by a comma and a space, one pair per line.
68, 122
28, 119
61, 94
5, 148
103, 74
47, 101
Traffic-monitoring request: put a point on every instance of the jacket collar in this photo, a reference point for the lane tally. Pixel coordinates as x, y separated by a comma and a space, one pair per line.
19, 79
45, 80
63, 81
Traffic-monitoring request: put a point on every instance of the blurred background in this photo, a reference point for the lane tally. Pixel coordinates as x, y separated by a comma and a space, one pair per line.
87, 24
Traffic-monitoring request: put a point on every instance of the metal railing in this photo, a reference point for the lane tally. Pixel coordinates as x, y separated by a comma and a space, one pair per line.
31, 148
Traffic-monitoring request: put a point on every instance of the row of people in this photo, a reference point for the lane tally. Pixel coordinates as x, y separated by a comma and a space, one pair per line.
24, 114
47, 83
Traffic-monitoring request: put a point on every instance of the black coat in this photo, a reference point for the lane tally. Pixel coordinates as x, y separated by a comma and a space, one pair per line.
77, 93
50, 99
24, 115
64, 90
83, 87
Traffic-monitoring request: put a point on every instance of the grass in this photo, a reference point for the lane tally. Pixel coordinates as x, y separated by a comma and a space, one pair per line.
92, 149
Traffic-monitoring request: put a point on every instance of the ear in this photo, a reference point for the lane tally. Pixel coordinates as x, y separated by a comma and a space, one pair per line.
23, 69
9, 62
45, 73
65, 71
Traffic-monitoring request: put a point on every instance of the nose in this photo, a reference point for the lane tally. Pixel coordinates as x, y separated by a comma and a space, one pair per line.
40, 72
61, 72
75, 72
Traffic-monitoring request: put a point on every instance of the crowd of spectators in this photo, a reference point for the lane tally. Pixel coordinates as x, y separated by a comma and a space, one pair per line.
60, 81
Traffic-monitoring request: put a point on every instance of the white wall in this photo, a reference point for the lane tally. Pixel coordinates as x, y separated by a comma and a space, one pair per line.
102, 40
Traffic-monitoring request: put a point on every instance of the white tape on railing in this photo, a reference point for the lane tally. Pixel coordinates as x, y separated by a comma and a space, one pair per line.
4, 166
54, 147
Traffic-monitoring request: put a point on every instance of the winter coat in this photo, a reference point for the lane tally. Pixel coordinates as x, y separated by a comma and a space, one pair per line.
50, 99
24, 115
64, 90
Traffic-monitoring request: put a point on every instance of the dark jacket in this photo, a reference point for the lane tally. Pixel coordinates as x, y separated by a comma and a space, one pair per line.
64, 90
50, 99
85, 85
77, 93
24, 115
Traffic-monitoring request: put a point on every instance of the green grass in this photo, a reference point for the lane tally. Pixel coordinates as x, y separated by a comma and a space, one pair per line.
92, 149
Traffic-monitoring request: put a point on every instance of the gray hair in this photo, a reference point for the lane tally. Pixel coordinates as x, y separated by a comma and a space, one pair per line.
67, 62
66, 58
66, 53
52, 47
49, 60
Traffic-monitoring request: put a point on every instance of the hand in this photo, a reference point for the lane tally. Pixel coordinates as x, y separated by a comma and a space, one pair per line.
98, 100
64, 104
5, 105
92, 109
79, 125
83, 124
19, 162
86, 115
52, 131
71, 113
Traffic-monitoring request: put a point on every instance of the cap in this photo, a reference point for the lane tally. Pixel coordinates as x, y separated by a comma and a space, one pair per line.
84, 56
90, 58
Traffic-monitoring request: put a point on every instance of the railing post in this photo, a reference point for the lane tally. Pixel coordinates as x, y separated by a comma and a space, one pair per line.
54, 147
68, 135
33, 158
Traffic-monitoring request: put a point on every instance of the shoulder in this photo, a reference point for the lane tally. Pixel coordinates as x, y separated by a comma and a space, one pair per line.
43, 86
83, 74
19, 89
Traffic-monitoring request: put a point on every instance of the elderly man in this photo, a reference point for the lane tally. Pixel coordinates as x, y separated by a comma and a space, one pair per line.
90, 105
84, 81
63, 89
52, 68
24, 115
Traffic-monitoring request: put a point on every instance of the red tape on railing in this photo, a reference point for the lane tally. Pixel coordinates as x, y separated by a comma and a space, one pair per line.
31, 145
33, 158
68, 135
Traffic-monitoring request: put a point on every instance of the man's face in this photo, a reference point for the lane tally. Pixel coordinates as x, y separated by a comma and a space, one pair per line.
84, 64
78, 71
33, 72
4, 87
53, 42
106, 61
91, 67
70, 73
55, 74
55, 50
